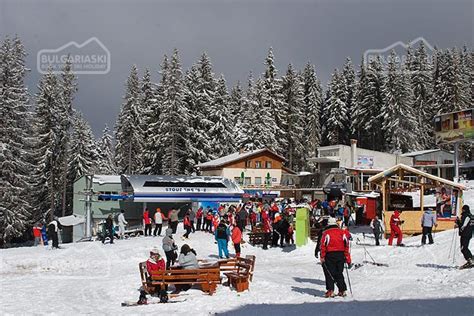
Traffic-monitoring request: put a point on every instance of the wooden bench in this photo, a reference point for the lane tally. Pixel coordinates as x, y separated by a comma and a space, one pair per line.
207, 278
256, 236
242, 273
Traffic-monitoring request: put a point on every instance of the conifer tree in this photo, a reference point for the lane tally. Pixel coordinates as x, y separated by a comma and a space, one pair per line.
293, 97
174, 120
248, 137
128, 129
313, 101
336, 111
105, 154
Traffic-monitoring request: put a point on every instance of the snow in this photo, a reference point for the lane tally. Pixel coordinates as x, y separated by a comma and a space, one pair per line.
86, 278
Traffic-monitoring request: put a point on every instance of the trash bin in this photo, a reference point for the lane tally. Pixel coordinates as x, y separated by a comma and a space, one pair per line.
302, 226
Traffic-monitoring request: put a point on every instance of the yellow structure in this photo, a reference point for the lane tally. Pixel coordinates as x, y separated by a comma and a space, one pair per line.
402, 178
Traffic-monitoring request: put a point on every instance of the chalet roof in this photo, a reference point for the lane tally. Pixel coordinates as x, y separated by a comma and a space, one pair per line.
237, 156
421, 152
393, 171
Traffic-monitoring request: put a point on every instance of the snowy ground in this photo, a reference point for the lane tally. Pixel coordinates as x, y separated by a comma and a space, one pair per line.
91, 278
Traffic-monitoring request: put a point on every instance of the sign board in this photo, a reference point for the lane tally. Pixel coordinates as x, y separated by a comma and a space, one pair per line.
454, 127
365, 162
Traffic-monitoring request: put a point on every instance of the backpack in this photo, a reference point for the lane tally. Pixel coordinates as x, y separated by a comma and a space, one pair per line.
221, 232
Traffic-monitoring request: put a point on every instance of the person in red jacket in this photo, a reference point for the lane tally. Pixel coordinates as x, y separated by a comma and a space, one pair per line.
199, 218
395, 229
334, 253
236, 239
37, 234
187, 226
154, 263
267, 229
147, 222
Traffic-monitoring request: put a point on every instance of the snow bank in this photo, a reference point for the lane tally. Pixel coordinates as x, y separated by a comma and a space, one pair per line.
91, 278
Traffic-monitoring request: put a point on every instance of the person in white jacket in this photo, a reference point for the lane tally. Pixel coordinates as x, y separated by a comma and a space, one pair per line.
121, 222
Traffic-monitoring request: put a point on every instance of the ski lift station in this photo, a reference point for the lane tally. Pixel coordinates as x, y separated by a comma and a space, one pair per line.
109, 194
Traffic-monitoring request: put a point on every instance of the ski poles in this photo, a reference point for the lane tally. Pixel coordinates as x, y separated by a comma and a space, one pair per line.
348, 279
452, 242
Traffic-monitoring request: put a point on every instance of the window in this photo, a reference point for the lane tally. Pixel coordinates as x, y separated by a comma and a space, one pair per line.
258, 180
248, 164
247, 181
258, 164
268, 165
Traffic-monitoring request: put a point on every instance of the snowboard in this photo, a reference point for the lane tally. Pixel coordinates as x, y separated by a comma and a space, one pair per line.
129, 304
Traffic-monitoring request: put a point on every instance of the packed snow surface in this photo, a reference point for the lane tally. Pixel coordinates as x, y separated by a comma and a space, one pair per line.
91, 278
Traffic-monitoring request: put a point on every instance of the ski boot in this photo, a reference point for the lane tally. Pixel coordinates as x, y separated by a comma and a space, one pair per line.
142, 300
329, 294
342, 294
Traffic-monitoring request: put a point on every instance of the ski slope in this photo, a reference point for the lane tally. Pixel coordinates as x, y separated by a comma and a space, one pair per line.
91, 278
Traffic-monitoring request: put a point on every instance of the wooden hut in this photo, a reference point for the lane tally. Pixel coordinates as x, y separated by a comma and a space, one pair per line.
394, 182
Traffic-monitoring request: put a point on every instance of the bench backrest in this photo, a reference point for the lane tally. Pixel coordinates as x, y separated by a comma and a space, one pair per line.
191, 275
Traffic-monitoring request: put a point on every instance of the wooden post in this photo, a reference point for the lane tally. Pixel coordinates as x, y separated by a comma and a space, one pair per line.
422, 194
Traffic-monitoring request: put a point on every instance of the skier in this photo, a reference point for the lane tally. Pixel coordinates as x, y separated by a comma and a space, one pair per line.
346, 214
222, 234
147, 222
159, 217
187, 225
37, 234
154, 263
267, 229
236, 239
109, 229
395, 223
276, 229
283, 230
209, 218
192, 219
199, 215
428, 220
334, 253
53, 229
173, 219
242, 219
169, 247
289, 237
376, 225
323, 225
466, 226
121, 223
44, 235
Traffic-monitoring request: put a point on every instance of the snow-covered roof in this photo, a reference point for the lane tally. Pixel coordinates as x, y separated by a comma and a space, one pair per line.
420, 152
236, 157
102, 179
157, 188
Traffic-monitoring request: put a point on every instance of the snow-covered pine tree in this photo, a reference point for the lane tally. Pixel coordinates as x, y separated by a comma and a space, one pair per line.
128, 129
197, 145
293, 97
273, 122
399, 123
174, 120
15, 142
105, 154
82, 151
150, 121
450, 93
350, 85
248, 137
68, 89
370, 101
206, 94
220, 132
235, 103
48, 172
337, 123
420, 70
313, 101
360, 114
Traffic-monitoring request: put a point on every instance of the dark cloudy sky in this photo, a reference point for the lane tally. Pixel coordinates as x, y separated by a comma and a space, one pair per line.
236, 34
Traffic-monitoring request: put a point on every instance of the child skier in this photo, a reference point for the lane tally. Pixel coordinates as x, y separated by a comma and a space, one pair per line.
395, 229
236, 239
376, 225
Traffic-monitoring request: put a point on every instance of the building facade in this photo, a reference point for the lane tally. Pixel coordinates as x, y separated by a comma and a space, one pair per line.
437, 162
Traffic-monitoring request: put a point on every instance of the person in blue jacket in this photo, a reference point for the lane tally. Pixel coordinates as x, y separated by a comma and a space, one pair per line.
44, 235
222, 236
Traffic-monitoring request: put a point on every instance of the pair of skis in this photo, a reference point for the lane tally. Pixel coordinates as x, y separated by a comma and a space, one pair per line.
170, 296
373, 262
